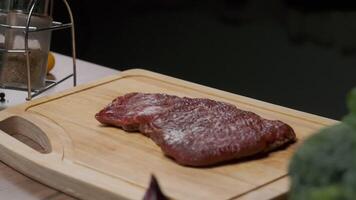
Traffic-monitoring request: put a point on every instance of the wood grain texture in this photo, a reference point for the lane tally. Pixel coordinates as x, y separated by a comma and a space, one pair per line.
92, 161
14, 186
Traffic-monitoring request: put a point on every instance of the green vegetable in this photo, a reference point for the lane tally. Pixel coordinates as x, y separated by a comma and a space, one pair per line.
324, 167
350, 119
327, 193
351, 104
351, 101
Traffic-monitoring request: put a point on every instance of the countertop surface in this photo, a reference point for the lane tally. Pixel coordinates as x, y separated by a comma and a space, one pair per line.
14, 185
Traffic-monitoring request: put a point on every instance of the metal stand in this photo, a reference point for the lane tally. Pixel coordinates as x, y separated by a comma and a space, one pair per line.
30, 29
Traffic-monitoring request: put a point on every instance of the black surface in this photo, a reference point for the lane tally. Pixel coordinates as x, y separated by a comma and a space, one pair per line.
299, 54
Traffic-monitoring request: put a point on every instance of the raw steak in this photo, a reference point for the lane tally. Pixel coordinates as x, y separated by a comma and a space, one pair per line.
133, 109
194, 131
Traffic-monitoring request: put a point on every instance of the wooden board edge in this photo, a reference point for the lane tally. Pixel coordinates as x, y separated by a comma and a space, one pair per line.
276, 190
182, 83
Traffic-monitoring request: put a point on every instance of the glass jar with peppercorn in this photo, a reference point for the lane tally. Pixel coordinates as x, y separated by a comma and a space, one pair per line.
13, 69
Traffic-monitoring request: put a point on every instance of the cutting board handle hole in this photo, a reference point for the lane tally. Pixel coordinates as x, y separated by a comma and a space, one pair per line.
27, 133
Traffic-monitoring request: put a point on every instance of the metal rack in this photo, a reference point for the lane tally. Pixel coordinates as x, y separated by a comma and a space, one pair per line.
31, 29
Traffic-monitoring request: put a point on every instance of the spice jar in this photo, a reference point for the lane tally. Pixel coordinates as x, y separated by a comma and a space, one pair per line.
3, 9
13, 69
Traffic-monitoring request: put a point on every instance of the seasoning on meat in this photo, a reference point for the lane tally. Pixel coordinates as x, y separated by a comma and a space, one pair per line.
134, 109
196, 131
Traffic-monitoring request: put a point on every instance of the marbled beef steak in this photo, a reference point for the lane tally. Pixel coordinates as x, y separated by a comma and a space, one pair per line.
195, 131
135, 109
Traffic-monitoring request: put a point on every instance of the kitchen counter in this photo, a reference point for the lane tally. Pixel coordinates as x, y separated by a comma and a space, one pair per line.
14, 185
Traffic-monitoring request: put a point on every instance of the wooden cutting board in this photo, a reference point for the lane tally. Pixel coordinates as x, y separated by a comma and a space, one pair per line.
78, 156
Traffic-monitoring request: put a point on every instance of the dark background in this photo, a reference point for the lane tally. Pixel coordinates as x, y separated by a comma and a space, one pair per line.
300, 54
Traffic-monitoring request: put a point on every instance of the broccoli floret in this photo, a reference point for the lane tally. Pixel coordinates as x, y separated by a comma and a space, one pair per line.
325, 165
351, 104
350, 119
351, 101
327, 193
